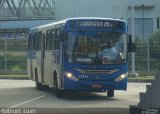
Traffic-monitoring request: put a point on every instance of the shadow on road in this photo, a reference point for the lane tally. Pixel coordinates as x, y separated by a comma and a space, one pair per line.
67, 95
82, 96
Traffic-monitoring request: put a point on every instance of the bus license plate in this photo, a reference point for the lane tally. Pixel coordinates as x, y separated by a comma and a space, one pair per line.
96, 86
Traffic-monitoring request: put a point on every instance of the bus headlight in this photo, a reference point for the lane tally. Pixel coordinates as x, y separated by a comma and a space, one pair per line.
71, 76
121, 77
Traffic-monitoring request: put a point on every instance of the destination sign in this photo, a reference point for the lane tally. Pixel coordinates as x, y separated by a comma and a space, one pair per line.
96, 24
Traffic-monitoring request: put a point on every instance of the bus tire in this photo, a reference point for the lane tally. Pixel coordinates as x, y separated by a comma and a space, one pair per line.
110, 93
46, 87
39, 86
58, 92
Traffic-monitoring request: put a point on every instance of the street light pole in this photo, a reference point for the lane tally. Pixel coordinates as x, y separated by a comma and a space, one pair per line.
133, 53
142, 20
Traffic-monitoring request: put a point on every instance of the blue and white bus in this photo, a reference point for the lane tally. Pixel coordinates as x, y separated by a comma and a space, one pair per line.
69, 55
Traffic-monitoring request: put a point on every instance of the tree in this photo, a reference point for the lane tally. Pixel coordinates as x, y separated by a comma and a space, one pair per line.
155, 45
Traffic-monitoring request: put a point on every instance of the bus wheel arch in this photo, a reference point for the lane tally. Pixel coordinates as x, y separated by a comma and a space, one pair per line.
39, 86
58, 92
110, 93
35, 74
54, 78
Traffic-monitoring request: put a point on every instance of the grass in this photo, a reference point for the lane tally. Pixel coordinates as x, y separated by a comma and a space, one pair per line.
142, 79
14, 53
14, 77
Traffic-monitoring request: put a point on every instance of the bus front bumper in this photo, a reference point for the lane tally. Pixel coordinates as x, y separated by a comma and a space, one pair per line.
87, 85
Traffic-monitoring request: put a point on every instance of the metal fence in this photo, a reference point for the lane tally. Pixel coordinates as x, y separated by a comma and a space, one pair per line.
147, 56
13, 56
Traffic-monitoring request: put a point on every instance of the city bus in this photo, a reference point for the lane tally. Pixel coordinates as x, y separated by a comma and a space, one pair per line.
67, 55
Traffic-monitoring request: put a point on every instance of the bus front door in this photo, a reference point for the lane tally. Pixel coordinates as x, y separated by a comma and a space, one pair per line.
42, 57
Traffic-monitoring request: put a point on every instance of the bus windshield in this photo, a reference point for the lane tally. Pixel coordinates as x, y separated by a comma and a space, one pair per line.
96, 47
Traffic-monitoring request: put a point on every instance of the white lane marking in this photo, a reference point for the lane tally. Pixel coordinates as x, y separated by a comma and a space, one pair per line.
26, 101
4, 109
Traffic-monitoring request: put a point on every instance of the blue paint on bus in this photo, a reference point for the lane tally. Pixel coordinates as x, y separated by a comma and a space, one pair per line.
77, 47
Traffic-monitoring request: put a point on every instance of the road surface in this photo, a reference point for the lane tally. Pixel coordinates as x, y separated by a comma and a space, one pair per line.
22, 94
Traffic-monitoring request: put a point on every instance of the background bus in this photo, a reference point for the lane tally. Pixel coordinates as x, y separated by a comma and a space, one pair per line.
74, 54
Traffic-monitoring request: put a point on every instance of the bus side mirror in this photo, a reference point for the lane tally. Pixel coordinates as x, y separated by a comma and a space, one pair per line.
131, 45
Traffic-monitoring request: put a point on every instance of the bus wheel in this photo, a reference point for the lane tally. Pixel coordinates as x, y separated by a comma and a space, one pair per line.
58, 92
39, 86
45, 87
110, 93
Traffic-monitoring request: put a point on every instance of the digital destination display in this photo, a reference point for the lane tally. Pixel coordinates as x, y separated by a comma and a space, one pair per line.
108, 24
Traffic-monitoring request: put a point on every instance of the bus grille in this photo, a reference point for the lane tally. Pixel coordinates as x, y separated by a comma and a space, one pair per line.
93, 71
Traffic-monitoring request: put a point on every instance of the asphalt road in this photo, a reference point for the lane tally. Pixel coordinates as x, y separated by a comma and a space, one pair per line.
22, 94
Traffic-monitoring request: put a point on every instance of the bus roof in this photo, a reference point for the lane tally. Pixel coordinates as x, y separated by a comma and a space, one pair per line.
77, 18
95, 18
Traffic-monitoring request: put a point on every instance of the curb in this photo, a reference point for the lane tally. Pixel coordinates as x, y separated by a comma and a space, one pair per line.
139, 80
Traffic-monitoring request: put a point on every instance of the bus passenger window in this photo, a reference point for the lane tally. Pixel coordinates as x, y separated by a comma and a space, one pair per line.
35, 41
48, 40
56, 40
39, 40
29, 42
52, 39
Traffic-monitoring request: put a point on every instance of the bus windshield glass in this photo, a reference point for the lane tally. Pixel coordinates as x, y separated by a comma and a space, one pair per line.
96, 47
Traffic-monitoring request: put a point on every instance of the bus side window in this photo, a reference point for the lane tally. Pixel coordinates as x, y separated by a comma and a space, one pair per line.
29, 43
52, 39
34, 41
48, 40
57, 39
39, 40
